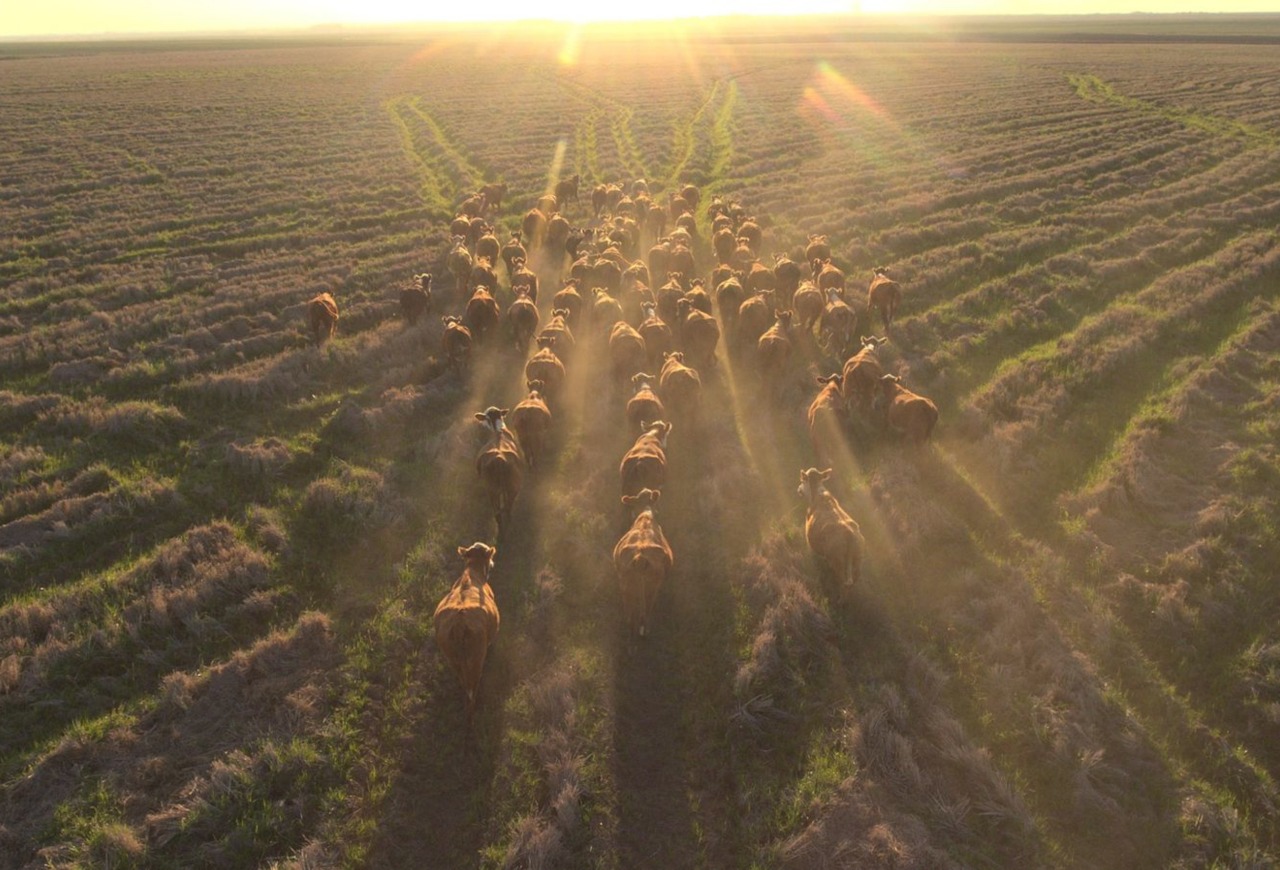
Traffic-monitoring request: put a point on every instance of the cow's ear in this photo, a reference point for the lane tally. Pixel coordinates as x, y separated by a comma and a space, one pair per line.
481, 417
462, 551
628, 499
656, 494
826, 474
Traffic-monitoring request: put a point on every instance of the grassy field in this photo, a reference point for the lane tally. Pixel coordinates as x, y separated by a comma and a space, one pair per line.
221, 547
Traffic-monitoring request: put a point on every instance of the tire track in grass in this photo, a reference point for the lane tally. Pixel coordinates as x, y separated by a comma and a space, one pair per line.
445, 171
1095, 90
1054, 386
618, 116
1042, 300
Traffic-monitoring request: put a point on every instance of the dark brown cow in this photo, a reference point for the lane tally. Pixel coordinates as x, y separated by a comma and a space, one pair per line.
522, 321
493, 194
500, 465
911, 415
643, 560
831, 533
567, 189
415, 299
456, 342
322, 317
466, 621
698, 296
645, 464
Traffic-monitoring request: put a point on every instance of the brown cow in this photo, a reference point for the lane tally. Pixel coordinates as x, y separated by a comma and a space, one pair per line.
884, 296
808, 304
862, 373
774, 349
466, 620
837, 323
755, 315
487, 245
818, 249
788, 275
531, 421
909, 414
760, 278
627, 351
534, 226
522, 320
698, 296
493, 194
416, 298
598, 195
724, 242
643, 560
605, 310
456, 341
699, 334
827, 419
750, 230
483, 274
832, 534
500, 465
692, 196
645, 464
644, 405
322, 317
680, 386
558, 328
524, 278
481, 314
460, 265
656, 333
545, 366
568, 299
828, 276
567, 189
511, 250
548, 204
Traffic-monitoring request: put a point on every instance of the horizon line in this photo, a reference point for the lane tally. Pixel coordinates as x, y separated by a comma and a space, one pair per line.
457, 24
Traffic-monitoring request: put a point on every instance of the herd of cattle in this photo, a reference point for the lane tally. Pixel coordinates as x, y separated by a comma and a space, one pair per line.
651, 311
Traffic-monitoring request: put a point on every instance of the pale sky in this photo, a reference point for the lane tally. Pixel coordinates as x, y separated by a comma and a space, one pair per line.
34, 17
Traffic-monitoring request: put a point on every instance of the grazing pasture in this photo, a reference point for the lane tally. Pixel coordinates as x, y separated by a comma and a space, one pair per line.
222, 541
